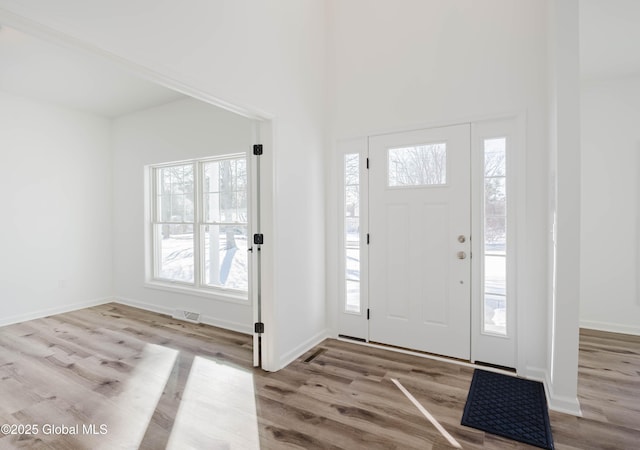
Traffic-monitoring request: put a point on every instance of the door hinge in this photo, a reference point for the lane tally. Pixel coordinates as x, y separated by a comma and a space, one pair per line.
258, 239
257, 149
367, 238
367, 163
368, 314
258, 327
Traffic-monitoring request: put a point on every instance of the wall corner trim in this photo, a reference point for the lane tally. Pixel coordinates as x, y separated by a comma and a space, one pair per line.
555, 402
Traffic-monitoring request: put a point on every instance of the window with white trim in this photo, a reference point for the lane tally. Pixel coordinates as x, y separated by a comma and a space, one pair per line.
352, 232
199, 224
495, 302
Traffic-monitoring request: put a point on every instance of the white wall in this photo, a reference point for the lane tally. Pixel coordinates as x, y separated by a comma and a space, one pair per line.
410, 63
55, 232
610, 238
564, 205
267, 56
184, 129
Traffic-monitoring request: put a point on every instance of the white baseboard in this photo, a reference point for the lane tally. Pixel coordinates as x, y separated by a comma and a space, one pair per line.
227, 325
53, 311
610, 327
555, 402
208, 320
535, 374
301, 349
142, 305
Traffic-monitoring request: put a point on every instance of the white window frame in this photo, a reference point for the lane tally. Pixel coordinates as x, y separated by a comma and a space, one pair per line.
487, 346
353, 324
198, 287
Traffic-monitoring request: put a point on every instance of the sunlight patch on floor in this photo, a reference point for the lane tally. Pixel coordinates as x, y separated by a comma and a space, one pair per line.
427, 414
218, 409
127, 414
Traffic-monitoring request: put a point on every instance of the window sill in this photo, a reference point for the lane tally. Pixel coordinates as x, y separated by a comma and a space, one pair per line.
211, 294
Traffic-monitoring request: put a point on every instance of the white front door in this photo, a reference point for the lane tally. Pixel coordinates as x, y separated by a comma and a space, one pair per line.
419, 250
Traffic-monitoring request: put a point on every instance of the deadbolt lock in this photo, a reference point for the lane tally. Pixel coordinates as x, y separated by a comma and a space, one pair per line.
462, 239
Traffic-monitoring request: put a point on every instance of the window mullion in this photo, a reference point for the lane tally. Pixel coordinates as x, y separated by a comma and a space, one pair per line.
154, 217
197, 208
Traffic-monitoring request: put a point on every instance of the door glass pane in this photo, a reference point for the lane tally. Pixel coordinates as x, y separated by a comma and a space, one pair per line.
421, 165
495, 196
494, 157
495, 235
352, 232
352, 297
495, 300
175, 252
353, 264
225, 256
352, 201
352, 169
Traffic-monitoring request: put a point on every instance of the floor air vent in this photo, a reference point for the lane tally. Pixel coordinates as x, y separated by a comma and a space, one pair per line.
189, 316
315, 355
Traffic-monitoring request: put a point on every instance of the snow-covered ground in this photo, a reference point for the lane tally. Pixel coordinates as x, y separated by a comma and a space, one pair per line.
177, 260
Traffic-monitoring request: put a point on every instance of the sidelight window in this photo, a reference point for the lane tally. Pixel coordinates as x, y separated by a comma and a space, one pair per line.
495, 237
352, 231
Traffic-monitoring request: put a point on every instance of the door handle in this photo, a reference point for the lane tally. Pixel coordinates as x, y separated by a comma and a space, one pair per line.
461, 255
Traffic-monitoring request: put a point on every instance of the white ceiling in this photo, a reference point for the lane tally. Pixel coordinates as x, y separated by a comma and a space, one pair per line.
609, 39
33, 68
40, 70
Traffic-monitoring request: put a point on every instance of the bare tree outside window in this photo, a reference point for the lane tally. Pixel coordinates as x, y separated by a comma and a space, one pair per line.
495, 302
421, 165
495, 204
219, 230
175, 220
225, 203
352, 231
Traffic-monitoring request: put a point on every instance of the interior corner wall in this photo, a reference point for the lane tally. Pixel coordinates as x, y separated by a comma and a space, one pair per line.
412, 64
610, 240
177, 131
262, 56
55, 235
564, 204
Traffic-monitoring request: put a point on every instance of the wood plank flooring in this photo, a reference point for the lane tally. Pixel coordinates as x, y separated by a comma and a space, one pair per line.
116, 377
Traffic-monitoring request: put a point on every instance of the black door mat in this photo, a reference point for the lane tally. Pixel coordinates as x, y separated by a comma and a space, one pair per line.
510, 407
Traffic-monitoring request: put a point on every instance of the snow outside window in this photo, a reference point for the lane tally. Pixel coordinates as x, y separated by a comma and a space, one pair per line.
200, 224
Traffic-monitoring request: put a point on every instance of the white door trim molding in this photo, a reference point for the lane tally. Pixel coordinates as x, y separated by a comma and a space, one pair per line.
516, 124
420, 223
351, 323
486, 346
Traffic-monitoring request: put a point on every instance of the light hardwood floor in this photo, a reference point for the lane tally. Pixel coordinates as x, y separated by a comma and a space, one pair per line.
153, 382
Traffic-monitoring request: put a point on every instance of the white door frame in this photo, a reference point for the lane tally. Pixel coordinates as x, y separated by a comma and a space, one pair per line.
353, 324
486, 346
419, 262
356, 325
